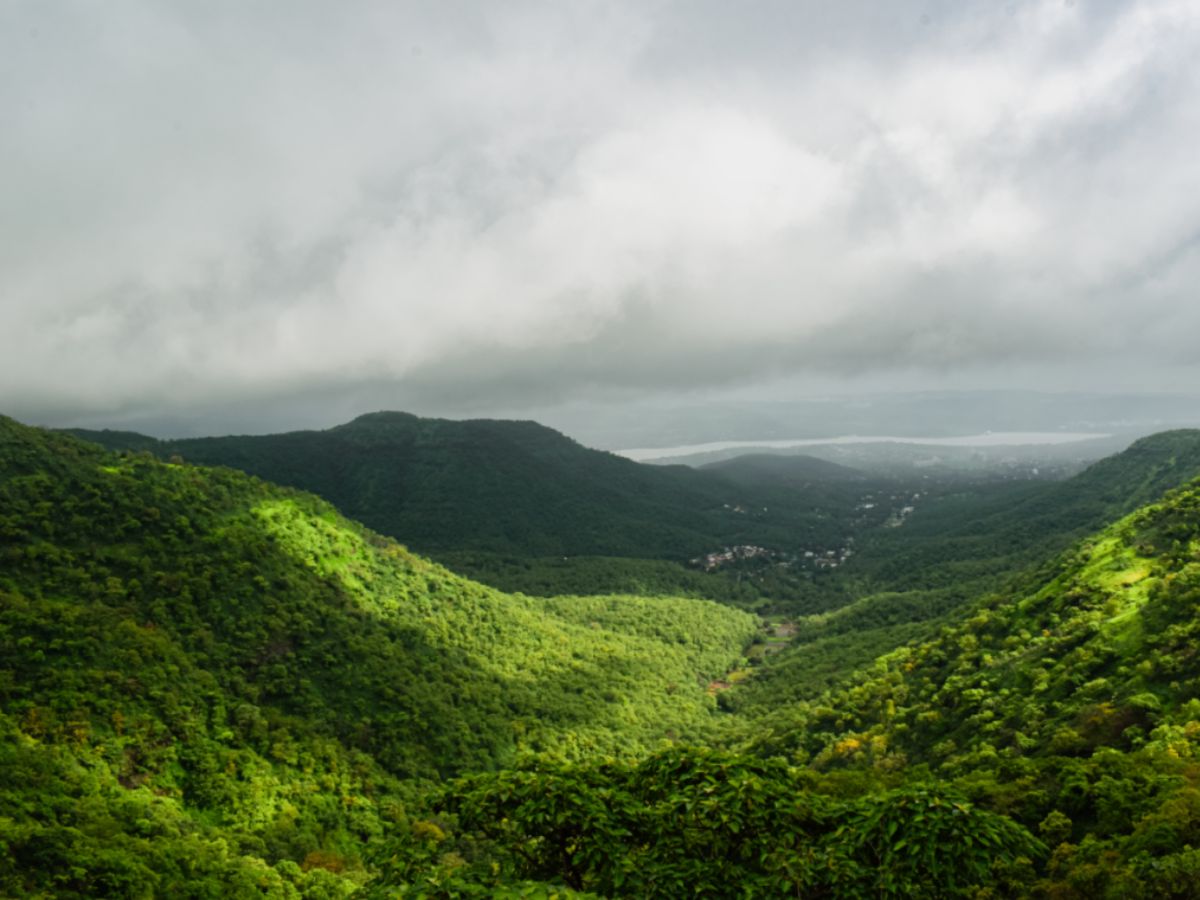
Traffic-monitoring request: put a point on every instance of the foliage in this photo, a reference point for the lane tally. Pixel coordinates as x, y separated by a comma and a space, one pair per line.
1071, 704
478, 493
210, 686
690, 822
282, 678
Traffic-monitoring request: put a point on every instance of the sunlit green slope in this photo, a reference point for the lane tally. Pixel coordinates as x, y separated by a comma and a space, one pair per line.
1110, 620
1071, 703
959, 545
196, 665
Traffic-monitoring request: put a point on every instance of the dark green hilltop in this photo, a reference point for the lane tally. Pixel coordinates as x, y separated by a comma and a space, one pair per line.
497, 486
215, 683
507, 501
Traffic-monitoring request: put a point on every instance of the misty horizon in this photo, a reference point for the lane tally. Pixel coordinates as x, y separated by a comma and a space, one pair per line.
224, 219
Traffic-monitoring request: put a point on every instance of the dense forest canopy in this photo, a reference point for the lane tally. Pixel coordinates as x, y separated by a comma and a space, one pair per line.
272, 674
214, 686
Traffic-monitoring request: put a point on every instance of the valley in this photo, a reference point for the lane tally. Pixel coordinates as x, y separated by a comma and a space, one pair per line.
211, 683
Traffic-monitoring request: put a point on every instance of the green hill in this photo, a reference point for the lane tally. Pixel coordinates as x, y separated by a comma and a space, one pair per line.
208, 680
496, 486
507, 501
1070, 703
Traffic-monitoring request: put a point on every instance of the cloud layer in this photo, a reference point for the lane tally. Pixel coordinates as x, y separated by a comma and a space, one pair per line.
524, 202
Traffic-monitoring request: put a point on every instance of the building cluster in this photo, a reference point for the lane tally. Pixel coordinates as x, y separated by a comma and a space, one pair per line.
727, 555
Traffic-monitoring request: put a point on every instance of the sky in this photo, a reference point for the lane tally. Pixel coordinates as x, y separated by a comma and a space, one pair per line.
230, 213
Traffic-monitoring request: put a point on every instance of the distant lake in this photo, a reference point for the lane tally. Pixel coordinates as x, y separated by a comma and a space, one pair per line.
988, 439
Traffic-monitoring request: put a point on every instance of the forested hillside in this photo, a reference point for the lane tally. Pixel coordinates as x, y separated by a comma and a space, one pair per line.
525, 508
1071, 703
490, 485
211, 686
961, 535
962, 543
207, 681
1044, 744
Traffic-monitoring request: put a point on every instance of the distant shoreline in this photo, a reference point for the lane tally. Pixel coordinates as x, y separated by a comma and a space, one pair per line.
987, 439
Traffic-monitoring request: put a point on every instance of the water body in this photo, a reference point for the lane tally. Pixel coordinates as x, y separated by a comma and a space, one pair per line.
987, 439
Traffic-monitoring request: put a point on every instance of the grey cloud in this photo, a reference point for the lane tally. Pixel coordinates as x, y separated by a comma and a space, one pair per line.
454, 206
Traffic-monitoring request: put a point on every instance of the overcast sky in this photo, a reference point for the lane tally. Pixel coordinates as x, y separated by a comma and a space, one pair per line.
457, 207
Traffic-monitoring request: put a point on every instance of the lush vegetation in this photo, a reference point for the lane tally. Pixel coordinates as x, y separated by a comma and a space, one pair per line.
706, 823
214, 687
193, 657
524, 508
964, 541
1044, 743
1071, 704
972, 533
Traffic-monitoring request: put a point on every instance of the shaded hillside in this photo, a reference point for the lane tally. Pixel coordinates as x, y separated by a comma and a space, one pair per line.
517, 488
203, 676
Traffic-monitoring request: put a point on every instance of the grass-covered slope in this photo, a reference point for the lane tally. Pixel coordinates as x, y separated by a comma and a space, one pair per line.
207, 680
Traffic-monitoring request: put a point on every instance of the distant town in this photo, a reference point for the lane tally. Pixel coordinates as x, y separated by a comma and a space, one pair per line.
901, 506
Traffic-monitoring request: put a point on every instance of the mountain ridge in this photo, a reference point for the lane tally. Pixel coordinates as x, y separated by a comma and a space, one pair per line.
514, 487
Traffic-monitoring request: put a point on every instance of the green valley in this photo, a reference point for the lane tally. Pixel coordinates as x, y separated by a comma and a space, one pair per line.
191, 655
214, 686
598, 450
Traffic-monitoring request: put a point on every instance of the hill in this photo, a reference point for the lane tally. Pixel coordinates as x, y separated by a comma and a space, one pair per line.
480, 494
495, 486
209, 680
1070, 702
778, 470
1067, 709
